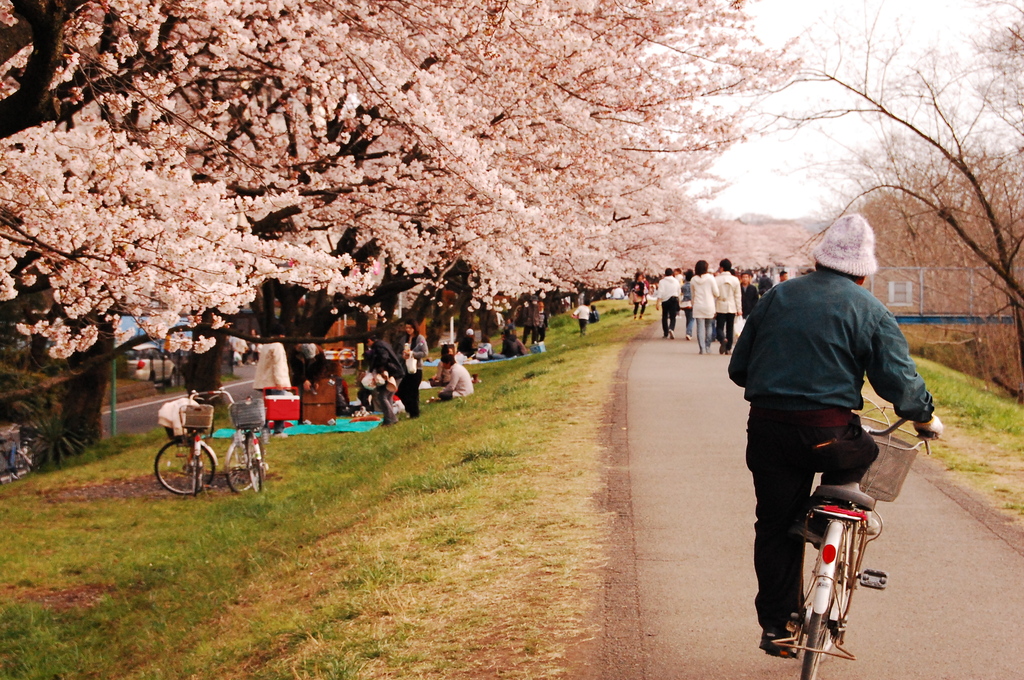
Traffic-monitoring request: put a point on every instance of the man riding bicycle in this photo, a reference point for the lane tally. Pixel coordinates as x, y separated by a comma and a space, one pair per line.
802, 359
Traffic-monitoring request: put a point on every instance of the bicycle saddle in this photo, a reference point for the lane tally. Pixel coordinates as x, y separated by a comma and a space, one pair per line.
843, 493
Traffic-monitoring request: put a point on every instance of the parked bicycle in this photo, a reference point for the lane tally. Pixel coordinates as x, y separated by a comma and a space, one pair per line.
186, 464
841, 522
16, 456
244, 464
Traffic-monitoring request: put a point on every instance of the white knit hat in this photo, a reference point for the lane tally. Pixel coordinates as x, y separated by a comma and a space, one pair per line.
848, 247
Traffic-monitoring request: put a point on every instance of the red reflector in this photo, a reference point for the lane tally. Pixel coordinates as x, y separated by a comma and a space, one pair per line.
828, 553
141, 365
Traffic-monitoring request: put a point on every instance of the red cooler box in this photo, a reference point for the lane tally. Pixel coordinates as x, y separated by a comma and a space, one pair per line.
283, 406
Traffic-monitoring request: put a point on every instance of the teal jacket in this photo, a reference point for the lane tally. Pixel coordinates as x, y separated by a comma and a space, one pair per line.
809, 343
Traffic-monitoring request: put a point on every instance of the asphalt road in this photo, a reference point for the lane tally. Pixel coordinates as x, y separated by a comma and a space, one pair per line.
678, 601
140, 416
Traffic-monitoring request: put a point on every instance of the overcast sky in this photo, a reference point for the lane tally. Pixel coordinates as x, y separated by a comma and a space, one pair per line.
780, 175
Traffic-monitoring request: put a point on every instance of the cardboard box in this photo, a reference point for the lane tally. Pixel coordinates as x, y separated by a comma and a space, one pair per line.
318, 414
323, 392
320, 406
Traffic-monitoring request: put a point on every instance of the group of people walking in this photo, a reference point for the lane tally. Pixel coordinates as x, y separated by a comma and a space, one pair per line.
711, 303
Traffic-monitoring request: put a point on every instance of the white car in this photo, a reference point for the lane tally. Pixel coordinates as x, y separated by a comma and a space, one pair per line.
148, 362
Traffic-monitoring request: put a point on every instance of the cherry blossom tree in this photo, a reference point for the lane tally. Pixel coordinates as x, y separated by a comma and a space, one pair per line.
165, 159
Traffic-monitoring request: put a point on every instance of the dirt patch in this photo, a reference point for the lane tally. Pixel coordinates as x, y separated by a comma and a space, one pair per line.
78, 597
143, 486
994, 470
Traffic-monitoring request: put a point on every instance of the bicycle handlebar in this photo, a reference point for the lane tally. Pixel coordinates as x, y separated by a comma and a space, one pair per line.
923, 438
895, 426
889, 430
206, 396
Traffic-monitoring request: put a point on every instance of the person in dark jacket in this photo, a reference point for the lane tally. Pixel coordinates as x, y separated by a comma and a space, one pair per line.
414, 351
467, 345
748, 293
802, 359
308, 365
511, 346
531, 319
382, 361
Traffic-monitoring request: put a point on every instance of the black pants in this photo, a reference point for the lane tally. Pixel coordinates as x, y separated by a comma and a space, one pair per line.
669, 311
783, 459
409, 393
364, 395
531, 331
723, 329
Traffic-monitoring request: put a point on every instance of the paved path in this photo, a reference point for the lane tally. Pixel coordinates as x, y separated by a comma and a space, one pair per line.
680, 583
136, 417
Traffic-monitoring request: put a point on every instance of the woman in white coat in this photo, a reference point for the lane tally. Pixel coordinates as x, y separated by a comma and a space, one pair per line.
704, 290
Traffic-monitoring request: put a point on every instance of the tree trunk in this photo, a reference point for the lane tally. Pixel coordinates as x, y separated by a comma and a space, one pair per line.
202, 371
83, 397
1018, 322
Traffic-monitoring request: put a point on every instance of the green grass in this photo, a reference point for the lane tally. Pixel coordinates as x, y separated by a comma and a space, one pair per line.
984, 440
970, 403
435, 548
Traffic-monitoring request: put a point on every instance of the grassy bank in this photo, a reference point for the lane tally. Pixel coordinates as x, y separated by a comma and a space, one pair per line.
984, 446
461, 544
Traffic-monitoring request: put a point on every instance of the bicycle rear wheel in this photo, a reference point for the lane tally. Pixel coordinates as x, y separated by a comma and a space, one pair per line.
816, 635
255, 455
23, 463
173, 470
238, 467
196, 468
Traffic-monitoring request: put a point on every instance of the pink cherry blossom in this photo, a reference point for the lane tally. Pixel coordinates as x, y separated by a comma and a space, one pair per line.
203, 147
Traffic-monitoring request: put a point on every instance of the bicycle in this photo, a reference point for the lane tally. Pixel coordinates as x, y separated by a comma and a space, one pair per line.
16, 456
840, 522
244, 465
186, 464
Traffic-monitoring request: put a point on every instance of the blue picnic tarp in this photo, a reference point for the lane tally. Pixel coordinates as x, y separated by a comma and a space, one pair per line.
473, 361
341, 426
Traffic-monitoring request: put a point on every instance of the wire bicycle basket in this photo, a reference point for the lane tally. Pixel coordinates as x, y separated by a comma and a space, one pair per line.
197, 417
248, 415
884, 479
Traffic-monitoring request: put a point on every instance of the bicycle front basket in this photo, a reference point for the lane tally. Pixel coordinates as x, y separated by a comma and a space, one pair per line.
197, 417
884, 478
249, 415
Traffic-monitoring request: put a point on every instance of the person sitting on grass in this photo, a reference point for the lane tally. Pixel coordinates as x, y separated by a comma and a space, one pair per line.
467, 345
484, 351
460, 384
443, 375
511, 346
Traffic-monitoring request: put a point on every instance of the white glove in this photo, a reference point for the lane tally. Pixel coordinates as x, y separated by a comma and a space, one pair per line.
930, 430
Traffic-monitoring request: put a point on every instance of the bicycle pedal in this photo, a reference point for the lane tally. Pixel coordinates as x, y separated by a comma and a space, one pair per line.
874, 578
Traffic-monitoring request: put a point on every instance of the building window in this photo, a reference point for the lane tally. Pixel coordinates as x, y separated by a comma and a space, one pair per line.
901, 293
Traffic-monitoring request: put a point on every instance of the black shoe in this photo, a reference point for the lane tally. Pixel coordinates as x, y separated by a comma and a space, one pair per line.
768, 638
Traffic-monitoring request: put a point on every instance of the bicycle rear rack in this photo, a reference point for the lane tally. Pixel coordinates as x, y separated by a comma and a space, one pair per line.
791, 643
